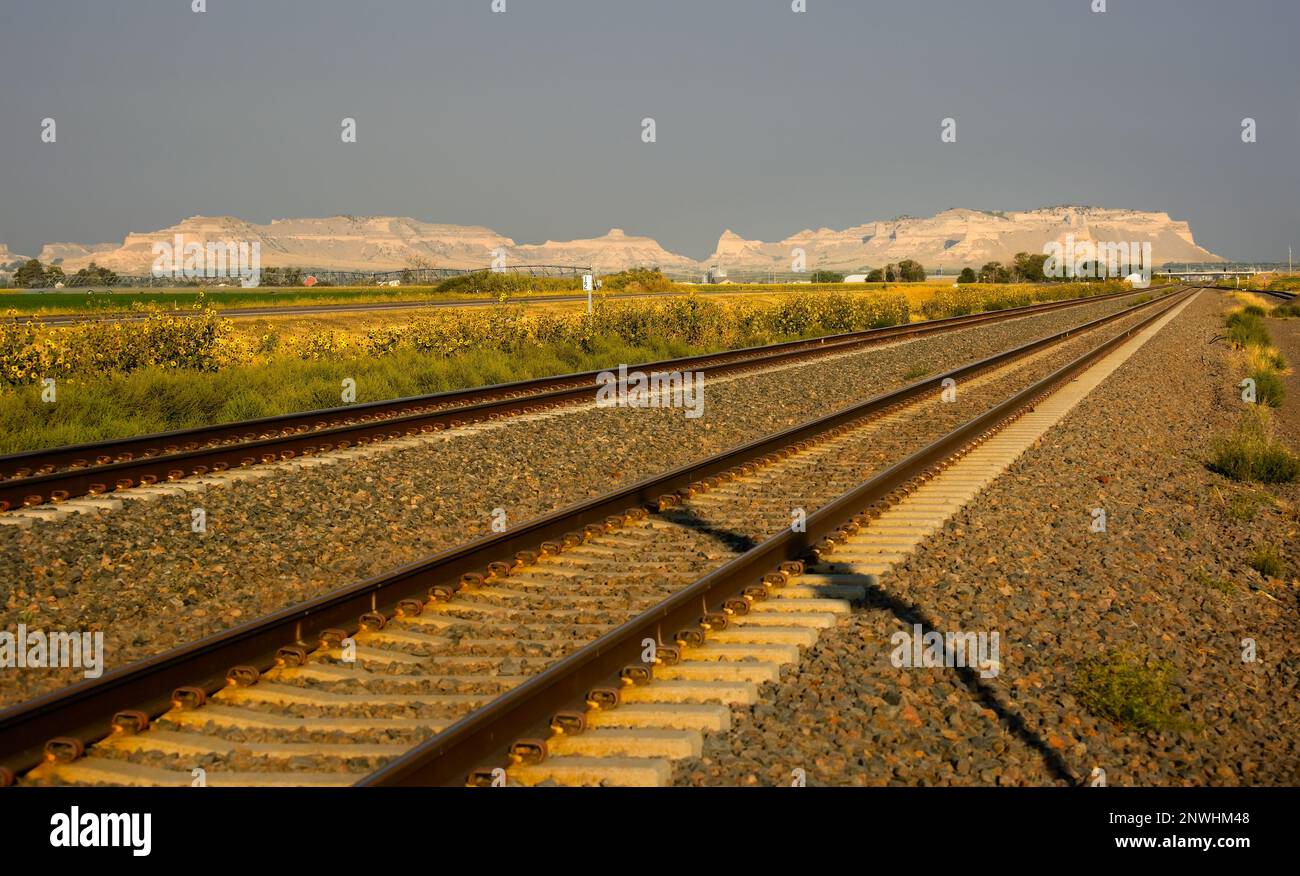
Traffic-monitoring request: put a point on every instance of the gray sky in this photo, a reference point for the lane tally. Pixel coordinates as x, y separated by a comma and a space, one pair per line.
529, 122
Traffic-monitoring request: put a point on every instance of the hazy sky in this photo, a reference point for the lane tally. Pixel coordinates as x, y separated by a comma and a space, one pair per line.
768, 121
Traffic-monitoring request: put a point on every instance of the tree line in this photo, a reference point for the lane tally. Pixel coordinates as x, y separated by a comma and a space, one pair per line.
1026, 268
31, 274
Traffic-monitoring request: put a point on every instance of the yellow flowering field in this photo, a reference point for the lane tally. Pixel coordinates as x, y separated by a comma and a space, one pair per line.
30, 351
204, 341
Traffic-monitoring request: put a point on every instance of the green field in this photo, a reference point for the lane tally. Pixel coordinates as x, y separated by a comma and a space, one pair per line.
155, 399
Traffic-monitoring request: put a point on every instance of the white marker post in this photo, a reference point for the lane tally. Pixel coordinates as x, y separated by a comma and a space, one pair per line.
587, 285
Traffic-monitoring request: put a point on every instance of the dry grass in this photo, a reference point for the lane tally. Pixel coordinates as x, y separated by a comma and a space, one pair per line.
1250, 299
1132, 689
1252, 454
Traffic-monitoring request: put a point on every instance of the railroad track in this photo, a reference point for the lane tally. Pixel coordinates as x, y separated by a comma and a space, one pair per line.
472, 656
1276, 293
60, 474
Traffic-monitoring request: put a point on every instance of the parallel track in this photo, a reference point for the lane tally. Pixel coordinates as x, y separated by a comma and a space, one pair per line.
394, 608
35, 477
735, 627
1276, 293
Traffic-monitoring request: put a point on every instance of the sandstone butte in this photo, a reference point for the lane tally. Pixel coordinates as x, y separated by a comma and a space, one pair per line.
951, 240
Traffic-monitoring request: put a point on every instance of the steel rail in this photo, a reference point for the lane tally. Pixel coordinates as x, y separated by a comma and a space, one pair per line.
1276, 293
483, 738
68, 471
84, 711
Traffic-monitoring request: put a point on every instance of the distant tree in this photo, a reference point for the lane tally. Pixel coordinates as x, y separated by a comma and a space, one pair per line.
966, 276
1028, 267
1090, 271
637, 280
54, 274
281, 277
826, 277
876, 275
290, 277
94, 275
418, 269
31, 275
995, 272
910, 271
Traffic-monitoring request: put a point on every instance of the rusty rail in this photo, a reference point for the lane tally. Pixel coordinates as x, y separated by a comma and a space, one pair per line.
39, 476
84, 712
484, 737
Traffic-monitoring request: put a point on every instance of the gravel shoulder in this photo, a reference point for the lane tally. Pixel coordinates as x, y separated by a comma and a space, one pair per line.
1286, 336
1170, 578
149, 582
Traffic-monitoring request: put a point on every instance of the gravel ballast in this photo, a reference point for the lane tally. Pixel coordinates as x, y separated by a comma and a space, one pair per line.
142, 575
527, 620
1170, 579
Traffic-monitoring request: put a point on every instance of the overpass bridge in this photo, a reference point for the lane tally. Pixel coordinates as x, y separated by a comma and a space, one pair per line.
1204, 274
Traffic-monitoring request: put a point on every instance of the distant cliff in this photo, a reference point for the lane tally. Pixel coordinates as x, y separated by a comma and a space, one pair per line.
953, 239
959, 238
